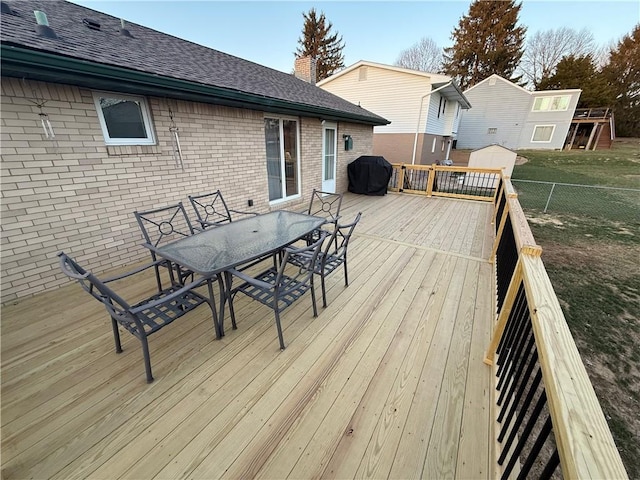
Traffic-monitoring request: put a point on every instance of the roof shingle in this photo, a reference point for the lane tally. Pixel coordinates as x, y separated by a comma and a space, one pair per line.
157, 53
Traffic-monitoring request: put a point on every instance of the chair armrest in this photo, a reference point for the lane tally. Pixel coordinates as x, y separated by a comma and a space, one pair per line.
250, 280
134, 271
170, 297
244, 213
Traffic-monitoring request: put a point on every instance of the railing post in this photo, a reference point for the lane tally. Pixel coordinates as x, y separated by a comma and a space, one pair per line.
401, 171
432, 176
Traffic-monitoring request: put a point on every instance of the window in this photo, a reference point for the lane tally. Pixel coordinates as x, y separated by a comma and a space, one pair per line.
543, 133
492, 131
125, 119
551, 104
433, 145
283, 164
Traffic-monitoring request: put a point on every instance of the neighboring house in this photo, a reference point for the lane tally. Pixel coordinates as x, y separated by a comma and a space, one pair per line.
424, 109
100, 119
506, 114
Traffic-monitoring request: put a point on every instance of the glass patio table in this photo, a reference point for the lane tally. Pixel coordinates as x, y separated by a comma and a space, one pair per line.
214, 251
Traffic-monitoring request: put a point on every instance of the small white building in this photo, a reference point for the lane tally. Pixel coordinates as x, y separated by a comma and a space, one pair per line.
506, 114
424, 109
492, 156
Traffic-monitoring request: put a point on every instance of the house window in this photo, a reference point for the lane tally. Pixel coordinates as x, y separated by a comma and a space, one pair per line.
125, 119
551, 104
492, 131
283, 163
543, 133
440, 107
433, 145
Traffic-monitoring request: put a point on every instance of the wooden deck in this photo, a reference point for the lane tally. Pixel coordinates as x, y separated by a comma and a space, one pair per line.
388, 380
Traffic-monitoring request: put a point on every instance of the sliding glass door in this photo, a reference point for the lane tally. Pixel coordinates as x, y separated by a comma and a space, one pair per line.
283, 163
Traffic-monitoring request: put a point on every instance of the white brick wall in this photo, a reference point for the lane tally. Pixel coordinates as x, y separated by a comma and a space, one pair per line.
75, 194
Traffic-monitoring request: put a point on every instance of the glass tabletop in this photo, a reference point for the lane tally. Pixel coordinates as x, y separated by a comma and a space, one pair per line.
217, 249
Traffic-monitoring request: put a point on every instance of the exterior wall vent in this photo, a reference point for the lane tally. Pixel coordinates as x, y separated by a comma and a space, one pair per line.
91, 24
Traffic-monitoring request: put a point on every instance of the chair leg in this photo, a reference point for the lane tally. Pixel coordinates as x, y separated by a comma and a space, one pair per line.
279, 327
158, 281
147, 358
346, 276
116, 336
313, 298
324, 291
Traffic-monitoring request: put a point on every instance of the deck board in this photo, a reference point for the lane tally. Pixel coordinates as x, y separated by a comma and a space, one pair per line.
387, 381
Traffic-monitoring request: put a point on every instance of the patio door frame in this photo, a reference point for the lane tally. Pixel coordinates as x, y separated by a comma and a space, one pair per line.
329, 185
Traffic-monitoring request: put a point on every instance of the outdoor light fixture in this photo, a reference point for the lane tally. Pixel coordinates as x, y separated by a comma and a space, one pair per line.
348, 142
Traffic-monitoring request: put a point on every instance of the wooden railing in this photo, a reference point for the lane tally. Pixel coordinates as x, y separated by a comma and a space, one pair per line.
546, 409
437, 180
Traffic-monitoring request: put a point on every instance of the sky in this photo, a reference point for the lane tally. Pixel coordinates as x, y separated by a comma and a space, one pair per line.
267, 32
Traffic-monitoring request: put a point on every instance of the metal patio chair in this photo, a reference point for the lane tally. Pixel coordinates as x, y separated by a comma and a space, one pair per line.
211, 209
277, 289
332, 255
145, 317
326, 205
163, 225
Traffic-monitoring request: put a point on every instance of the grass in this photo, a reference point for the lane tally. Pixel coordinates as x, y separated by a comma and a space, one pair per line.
591, 247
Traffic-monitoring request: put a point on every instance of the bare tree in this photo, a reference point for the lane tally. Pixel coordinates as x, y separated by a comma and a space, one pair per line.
425, 56
546, 48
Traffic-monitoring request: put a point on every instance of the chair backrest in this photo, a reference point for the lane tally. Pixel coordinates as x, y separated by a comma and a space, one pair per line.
304, 267
116, 306
325, 204
164, 224
211, 209
336, 246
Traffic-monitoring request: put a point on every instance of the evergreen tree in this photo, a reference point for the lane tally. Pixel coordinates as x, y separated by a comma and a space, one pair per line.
486, 41
318, 41
623, 76
580, 72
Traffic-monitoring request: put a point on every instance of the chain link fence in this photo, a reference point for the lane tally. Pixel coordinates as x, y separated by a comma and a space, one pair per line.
607, 203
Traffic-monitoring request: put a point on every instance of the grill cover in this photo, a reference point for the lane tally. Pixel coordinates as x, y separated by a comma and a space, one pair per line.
369, 175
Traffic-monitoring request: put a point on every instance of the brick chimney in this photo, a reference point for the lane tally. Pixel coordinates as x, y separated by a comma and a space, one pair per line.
305, 69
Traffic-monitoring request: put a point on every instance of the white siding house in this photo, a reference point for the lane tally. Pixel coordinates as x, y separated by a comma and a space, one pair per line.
508, 115
424, 109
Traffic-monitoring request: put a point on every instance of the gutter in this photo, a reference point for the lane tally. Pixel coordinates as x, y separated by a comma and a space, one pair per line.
415, 140
21, 62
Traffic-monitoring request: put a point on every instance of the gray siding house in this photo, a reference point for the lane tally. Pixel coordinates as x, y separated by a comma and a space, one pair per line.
506, 114
99, 120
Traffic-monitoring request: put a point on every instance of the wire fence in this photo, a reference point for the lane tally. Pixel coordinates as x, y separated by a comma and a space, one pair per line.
607, 203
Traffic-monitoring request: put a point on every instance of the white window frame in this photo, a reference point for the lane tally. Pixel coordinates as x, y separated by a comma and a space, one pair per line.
553, 129
551, 99
146, 118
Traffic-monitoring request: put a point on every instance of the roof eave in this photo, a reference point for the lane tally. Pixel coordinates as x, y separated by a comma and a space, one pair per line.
18, 61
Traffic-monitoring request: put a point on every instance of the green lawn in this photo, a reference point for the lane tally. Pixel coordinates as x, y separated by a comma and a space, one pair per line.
591, 248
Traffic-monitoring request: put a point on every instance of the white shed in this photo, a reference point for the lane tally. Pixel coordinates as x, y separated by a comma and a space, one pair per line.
492, 156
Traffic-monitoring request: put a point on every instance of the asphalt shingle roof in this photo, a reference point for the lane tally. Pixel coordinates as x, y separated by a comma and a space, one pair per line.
153, 52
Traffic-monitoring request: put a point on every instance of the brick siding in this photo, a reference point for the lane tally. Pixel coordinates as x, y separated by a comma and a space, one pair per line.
76, 194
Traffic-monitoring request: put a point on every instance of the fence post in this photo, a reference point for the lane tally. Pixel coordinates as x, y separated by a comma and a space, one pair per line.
549, 199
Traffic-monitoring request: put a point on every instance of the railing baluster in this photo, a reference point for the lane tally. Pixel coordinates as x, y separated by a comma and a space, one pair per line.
542, 400
551, 466
522, 361
521, 389
535, 450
